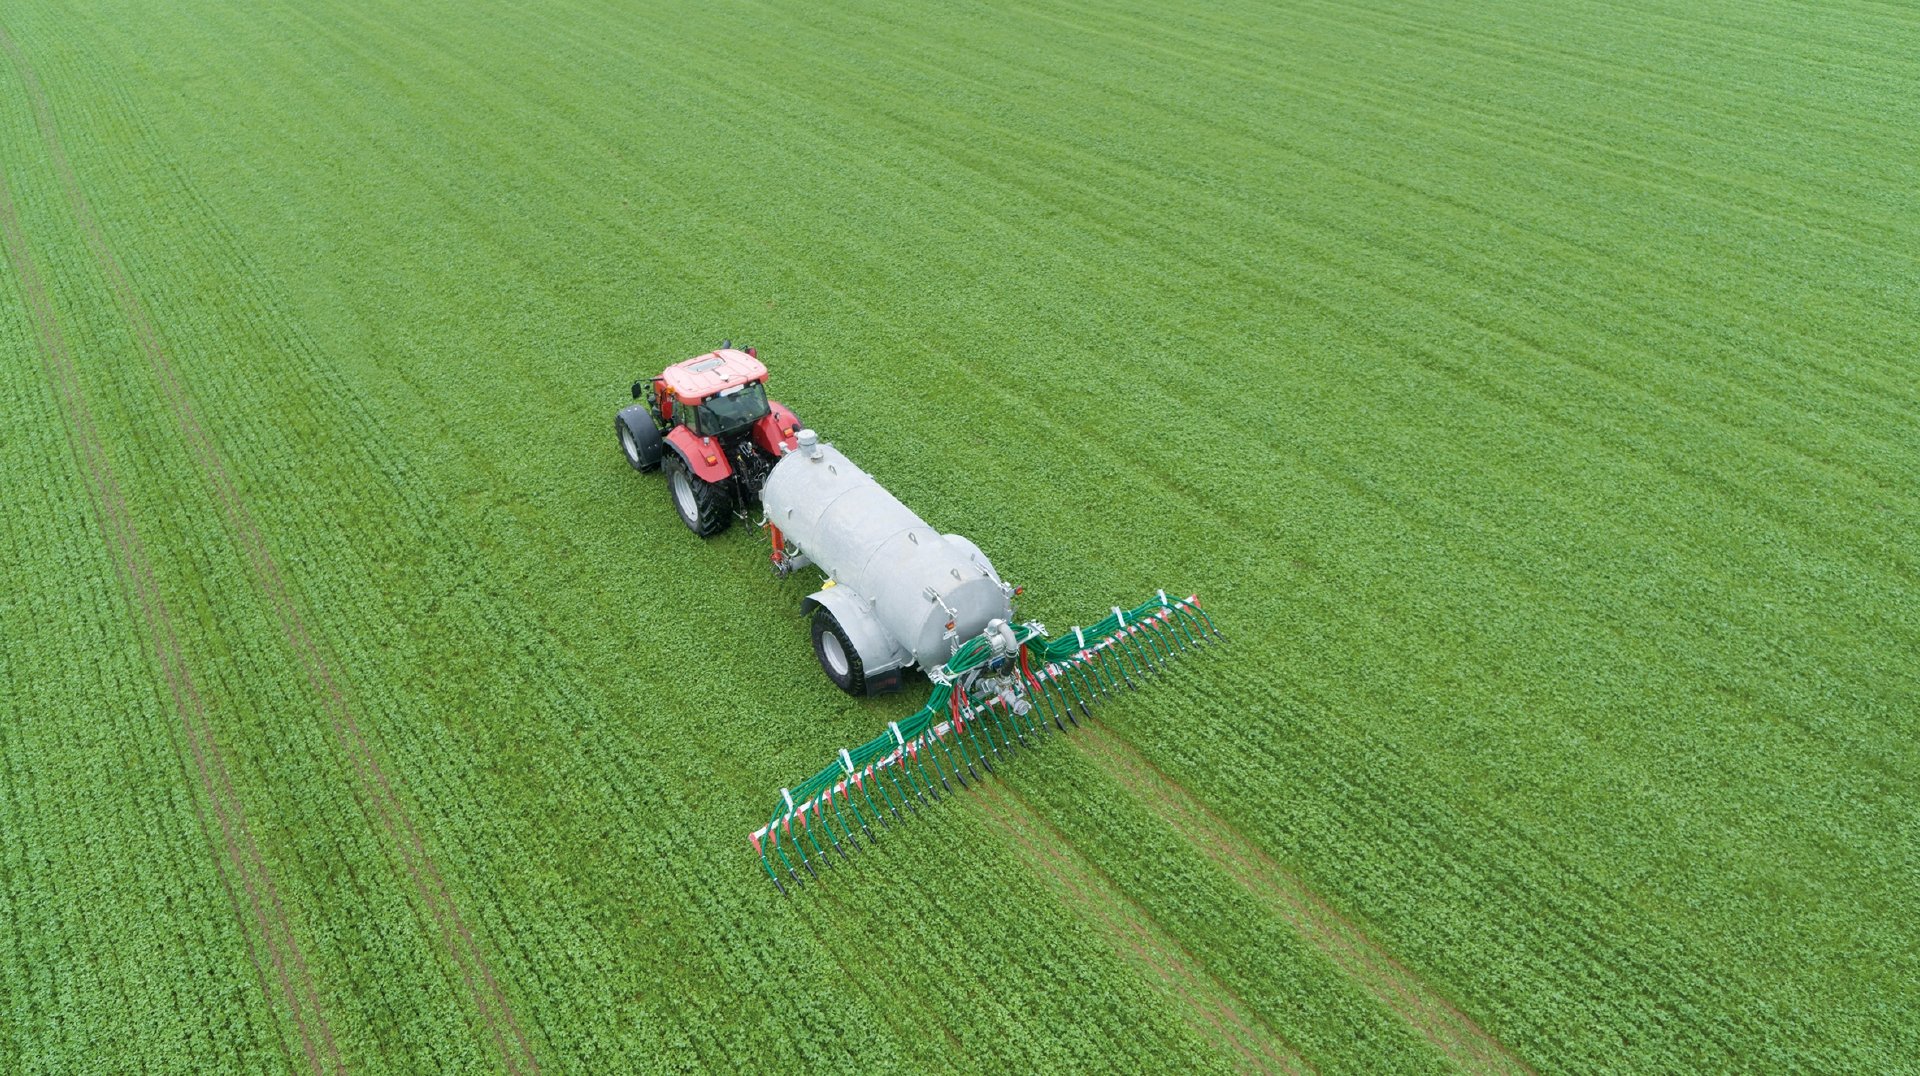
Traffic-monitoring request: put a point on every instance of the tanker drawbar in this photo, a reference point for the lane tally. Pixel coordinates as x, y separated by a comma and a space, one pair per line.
897, 596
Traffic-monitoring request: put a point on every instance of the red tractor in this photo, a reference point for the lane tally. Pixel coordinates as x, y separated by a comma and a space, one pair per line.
709, 422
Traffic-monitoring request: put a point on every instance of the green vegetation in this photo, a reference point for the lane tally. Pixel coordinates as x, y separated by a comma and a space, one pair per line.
1528, 390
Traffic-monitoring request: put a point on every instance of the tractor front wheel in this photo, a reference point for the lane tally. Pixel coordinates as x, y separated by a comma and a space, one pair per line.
705, 507
838, 659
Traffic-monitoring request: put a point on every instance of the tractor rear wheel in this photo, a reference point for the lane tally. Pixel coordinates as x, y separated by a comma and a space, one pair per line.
705, 507
838, 659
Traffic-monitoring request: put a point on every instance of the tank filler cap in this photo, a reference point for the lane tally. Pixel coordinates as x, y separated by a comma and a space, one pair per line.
809, 444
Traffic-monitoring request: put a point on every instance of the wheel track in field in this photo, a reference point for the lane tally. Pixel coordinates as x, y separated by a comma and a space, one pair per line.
854, 302
725, 1055
237, 852
375, 783
1580, 910
718, 1051
1418, 1011
1364, 492
1437, 1019
1330, 471
1212, 1007
838, 959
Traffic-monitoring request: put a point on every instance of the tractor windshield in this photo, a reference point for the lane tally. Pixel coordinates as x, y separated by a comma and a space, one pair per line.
721, 415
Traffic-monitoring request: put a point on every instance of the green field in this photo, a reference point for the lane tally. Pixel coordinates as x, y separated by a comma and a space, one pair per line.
1529, 389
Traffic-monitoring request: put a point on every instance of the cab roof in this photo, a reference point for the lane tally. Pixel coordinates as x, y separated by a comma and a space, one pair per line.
703, 375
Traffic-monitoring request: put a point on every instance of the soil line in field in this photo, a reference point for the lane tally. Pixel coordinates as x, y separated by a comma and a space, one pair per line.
237, 854
375, 785
1211, 1007
1358, 956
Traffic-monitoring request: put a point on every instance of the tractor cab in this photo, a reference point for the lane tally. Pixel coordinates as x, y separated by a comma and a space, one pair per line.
728, 411
715, 394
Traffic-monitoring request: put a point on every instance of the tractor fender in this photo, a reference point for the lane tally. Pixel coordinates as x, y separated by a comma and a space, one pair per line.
636, 423
779, 432
878, 652
702, 455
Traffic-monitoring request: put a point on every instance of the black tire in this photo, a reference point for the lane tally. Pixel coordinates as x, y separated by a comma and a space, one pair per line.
838, 659
706, 508
639, 438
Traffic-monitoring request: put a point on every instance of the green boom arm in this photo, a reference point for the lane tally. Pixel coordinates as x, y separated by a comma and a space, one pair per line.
993, 697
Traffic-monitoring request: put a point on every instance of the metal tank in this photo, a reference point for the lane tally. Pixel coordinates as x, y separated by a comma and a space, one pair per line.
903, 592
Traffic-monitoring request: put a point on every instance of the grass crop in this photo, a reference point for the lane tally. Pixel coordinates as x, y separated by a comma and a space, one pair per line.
1527, 389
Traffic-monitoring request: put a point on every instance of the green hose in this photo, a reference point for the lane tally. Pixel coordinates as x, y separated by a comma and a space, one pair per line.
904, 763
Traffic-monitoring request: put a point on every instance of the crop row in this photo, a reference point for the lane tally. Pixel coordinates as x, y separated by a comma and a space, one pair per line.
1540, 574
481, 619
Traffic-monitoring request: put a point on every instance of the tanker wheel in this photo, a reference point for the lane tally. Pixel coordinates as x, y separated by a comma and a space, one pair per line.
838, 659
705, 507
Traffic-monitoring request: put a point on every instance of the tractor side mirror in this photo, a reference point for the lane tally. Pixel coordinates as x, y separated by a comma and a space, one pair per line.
639, 387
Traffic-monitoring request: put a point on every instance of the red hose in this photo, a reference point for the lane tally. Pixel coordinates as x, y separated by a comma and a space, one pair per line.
1027, 670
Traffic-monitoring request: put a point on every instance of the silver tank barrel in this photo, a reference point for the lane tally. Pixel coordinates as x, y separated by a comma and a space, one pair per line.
916, 579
